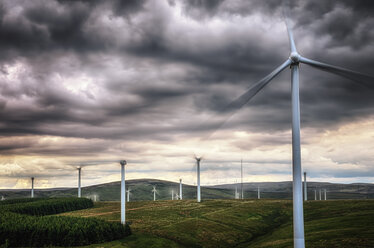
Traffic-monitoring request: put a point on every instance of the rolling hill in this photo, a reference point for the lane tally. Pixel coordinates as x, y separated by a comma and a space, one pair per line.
141, 190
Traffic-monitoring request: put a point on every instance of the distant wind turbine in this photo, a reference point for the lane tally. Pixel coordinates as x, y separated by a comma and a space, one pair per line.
305, 188
258, 192
154, 193
32, 187
241, 179
320, 193
325, 195
128, 194
79, 168
236, 191
198, 178
315, 194
180, 189
172, 194
123, 192
293, 63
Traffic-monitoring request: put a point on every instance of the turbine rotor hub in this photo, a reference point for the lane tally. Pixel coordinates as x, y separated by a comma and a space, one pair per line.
295, 57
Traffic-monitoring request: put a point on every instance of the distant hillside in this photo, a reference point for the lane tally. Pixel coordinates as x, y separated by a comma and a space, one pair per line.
283, 190
141, 189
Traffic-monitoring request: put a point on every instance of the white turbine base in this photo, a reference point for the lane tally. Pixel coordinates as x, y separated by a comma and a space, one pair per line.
300, 243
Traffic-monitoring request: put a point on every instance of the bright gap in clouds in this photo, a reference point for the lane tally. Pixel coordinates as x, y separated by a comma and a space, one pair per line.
325, 157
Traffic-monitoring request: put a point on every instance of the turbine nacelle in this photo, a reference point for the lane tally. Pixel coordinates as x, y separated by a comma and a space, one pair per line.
123, 162
295, 57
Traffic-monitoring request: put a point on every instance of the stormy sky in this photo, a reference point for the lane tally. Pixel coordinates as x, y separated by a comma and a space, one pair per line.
92, 82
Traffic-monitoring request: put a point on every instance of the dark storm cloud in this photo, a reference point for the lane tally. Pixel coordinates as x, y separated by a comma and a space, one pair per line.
149, 41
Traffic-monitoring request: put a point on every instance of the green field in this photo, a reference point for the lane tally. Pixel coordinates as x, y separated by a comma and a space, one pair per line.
238, 223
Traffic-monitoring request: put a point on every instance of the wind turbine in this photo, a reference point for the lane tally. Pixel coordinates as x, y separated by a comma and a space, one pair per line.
198, 178
320, 193
325, 194
236, 191
154, 193
79, 168
128, 194
123, 192
241, 178
293, 63
172, 194
258, 192
180, 189
305, 188
32, 187
315, 194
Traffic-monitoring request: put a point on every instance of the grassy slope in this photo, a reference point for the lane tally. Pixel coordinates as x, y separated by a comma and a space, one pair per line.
234, 223
343, 223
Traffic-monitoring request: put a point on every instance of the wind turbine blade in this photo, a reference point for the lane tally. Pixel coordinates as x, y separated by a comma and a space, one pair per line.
251, 92
290, 35
248, 95
352, 75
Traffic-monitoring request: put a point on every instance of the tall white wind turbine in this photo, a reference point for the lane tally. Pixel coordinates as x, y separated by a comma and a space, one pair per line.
79, 168
32, 187
180, 189
123, 192
198, 178
293, 62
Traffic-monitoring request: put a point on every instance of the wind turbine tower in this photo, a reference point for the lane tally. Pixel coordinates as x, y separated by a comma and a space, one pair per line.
32, 187
241, 182
305, 188
325, 194
128, 194
123, 192
79, 180
198, 179
154, 193
320, 194
172, 194
258, 192
180, 189
236, 191
315, 194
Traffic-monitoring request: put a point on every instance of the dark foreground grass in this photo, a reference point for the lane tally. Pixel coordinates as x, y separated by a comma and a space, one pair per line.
236, 223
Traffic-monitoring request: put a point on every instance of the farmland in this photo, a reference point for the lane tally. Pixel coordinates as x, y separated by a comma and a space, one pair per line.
238, 223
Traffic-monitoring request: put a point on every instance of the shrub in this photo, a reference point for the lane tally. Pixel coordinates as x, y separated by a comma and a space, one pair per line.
19, 200
25, 224
51, 206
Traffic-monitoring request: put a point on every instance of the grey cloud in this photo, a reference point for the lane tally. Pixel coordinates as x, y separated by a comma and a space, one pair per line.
218, 69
